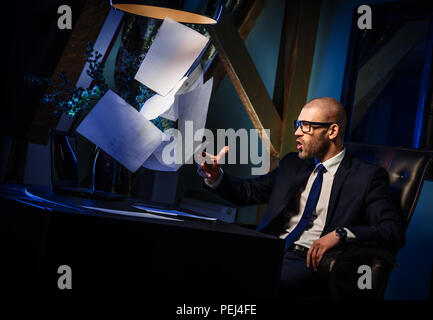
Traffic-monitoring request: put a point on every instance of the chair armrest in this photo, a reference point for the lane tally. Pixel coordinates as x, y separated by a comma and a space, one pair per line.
329, 259
351, 250
340, 267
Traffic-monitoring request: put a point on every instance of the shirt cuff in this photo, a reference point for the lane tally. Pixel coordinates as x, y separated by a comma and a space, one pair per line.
217, 182
350, 235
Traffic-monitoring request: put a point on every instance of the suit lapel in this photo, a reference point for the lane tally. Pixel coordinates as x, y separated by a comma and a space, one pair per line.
340, 177
295, 184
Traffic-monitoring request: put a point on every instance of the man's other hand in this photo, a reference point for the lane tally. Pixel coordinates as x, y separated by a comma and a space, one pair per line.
320, 247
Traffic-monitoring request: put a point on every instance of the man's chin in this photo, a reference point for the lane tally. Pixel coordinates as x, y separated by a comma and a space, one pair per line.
303, 155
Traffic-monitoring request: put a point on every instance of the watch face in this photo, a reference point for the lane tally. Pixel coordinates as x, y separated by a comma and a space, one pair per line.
341, 233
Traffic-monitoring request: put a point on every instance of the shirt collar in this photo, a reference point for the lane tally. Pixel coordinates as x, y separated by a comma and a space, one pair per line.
331, 165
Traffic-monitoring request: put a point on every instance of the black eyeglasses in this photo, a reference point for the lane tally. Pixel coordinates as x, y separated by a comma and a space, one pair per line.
306, 125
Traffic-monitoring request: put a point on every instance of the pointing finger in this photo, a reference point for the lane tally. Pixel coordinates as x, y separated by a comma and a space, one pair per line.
222, 152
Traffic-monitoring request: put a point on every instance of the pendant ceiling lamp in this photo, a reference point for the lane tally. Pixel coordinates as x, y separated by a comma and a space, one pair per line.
186, 11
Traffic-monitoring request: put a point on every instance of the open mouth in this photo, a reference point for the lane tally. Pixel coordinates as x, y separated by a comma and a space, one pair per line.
299, 146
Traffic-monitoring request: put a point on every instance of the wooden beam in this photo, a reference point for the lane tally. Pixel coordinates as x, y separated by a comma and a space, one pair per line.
299, 60
246, 80
217, 70
286, 58
250, 20
294, 65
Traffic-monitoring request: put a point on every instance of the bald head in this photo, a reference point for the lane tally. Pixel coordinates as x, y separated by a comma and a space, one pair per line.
330, 110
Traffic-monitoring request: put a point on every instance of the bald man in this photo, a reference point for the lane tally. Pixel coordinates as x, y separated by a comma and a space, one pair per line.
318, 198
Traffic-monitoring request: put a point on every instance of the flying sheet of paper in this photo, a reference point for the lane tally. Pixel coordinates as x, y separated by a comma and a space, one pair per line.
172, 113
171, 54
131, 213
194, 80
193, 106
156, 160
158, 104
152, 163
120, 130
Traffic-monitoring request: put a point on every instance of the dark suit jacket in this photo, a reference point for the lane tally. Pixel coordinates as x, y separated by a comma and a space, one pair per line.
360, 199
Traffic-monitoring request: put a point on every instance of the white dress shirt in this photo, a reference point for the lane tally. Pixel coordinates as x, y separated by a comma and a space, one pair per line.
318, 219
314, 230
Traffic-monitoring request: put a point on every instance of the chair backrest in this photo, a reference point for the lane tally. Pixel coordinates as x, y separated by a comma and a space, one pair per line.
407, 169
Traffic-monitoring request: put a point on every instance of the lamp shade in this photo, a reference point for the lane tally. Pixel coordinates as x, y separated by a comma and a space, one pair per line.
187, 11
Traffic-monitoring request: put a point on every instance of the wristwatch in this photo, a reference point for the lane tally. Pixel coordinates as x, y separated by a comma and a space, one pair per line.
342, 234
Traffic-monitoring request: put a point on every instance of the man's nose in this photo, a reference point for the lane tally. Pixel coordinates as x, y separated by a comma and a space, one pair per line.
298, 131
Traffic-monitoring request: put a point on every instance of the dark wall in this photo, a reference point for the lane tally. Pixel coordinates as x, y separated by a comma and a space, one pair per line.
32, 44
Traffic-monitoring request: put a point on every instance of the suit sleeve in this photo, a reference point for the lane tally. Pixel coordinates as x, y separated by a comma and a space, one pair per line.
385, 223
244, 192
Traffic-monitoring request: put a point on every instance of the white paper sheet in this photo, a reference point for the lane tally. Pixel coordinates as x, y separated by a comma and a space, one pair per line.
171, 54
194, 80
131, 213
157, 104
155, 161
193, 106
120, 130
172, 113
152, 163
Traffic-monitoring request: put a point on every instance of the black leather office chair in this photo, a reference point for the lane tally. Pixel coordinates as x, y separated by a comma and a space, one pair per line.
407, 169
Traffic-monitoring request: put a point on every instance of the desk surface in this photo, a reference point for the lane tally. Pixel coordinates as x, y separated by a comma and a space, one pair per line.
43, 196
197, 257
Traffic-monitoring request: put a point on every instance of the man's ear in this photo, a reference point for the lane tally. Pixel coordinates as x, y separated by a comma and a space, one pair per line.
334, 130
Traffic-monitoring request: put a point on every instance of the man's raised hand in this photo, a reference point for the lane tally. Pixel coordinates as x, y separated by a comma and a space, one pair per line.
210, 169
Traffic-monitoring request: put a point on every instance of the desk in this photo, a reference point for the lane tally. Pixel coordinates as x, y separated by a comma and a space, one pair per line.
124, 256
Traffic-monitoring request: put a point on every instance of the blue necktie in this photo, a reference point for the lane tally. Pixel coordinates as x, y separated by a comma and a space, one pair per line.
313, 197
